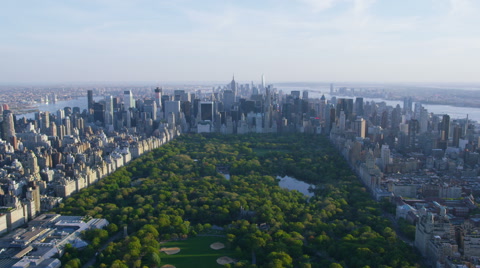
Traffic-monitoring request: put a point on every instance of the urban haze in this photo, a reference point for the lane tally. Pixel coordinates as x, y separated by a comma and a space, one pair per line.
288, 133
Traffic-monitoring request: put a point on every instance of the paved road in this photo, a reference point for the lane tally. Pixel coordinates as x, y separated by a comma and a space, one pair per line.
397, 229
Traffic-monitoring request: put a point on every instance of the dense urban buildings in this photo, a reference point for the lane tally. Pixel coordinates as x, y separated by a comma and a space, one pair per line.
426, 163
44, 239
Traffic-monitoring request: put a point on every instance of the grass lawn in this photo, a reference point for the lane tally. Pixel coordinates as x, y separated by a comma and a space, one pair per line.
196, 252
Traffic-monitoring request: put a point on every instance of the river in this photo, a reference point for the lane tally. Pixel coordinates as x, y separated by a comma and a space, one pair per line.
453, 111
80, 102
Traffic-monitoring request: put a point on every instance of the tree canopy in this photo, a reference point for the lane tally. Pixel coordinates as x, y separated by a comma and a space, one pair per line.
176, 191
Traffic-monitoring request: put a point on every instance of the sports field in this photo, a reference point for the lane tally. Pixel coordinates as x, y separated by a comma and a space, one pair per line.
195, 252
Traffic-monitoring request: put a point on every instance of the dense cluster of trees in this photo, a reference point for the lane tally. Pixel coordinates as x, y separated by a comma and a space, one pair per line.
73, 258
175, 192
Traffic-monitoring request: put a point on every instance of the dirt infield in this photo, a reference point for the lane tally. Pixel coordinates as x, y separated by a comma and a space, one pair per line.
217, 246
225, 260
170, 251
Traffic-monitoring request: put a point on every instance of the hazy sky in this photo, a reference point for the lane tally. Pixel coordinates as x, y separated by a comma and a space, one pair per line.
198, 40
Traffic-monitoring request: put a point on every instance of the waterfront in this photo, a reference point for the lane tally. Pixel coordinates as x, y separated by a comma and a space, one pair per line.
80, 102
453, 111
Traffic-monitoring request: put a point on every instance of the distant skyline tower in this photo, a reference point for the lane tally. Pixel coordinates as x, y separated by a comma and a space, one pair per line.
228, 100
172, 107
45, 119
360, 127
150, 107
407, 105
128, 100
206, 111
233, 86
359, 106
413, 126
305, 95
457, 133
341, 121
108, 110
445, 127
263, 81
60, 116
128, 103
158, 97
52, 130
8, 125
68, 125
99, 112
90, 99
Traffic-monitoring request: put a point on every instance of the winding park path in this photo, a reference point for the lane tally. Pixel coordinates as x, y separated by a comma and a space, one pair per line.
104, 246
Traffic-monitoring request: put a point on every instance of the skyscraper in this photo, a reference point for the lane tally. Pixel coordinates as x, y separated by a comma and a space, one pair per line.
228, 100
445, 127
413, 126
407, 105
60, 116
8, 125
150, 107
359, 106
360, 127
158, 97
108, 110
128, 100
172, 107
128, 104
45, 119
305, 95
341, 121
233, 85
206, 111
99, 112
457, 133
90, 99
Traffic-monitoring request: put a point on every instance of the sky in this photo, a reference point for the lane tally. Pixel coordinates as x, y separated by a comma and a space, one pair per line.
209, 40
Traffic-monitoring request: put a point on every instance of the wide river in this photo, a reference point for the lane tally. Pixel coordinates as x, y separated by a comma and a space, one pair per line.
80, 102
453, 111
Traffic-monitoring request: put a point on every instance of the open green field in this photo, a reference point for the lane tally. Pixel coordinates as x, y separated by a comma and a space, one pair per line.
196, 252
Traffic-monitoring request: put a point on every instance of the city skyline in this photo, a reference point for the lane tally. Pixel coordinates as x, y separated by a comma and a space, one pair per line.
287, 40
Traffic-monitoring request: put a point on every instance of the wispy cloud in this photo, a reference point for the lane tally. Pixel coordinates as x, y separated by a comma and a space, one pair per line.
360, 7
463, 7
289, 39
319, 5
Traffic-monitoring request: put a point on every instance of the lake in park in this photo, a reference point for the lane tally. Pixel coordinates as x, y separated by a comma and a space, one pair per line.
294, 184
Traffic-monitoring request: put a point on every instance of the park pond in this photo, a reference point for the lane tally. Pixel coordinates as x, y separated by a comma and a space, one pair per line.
294, 184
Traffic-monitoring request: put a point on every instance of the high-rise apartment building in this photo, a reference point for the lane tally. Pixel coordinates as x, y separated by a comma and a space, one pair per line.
206, 111
445, 127
8, 125
90, 100
128, 100
158, 97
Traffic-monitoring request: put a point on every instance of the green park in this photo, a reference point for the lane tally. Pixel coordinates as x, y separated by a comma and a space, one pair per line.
174, 203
